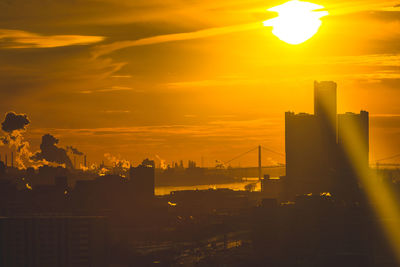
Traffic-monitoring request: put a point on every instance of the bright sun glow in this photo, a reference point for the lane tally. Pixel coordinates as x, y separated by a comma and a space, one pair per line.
297, 21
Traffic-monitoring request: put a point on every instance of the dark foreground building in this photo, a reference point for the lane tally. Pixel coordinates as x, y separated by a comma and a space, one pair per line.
318, 146
53, 241
318, 231
142, 180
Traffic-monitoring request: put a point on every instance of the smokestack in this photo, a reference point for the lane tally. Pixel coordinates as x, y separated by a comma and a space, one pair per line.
6, 160
12, 159
84, 161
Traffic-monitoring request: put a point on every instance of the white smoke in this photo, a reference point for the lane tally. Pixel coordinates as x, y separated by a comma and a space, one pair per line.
92, 167
118, 166
117, 162
14, 126
163, 165
16, 142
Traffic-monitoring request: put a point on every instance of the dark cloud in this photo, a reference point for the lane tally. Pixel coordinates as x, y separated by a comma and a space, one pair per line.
74, 150
52, 153
384, 15
14, 122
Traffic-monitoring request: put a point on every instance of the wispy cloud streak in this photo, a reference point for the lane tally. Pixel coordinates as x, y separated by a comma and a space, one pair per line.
112, 89
109, 48
22, 39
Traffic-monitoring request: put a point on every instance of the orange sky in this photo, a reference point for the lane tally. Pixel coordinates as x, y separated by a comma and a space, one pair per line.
186, 79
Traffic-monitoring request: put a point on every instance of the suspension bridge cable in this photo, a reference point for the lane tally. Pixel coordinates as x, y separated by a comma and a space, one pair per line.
270, 150
391, 157
241, 155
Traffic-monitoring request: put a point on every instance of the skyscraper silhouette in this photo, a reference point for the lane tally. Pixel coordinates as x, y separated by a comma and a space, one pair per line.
317, 146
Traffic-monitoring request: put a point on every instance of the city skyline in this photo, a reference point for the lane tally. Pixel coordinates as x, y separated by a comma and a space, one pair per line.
78, 158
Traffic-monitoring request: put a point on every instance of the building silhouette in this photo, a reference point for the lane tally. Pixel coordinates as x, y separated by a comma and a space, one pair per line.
53, 241
142, 180
317, 146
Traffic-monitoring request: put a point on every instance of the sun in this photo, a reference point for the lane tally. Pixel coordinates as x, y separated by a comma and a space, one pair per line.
297, 21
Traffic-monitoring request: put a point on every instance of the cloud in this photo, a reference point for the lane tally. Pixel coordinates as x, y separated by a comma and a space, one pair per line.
214, 129
385, 115
112, 89
388, 60
43, 73
190, 116
22, 39
222, 81
121, 76
116, 111
347, 7
102, 50
14, 122
372, 68
369, 68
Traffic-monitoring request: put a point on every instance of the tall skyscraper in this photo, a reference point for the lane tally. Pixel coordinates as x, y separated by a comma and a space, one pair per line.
319, 146
325, 100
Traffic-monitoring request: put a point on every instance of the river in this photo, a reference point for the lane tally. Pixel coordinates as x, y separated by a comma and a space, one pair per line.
166, 190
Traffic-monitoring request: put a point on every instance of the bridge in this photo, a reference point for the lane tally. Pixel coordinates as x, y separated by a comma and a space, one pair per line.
261, 148
378, 162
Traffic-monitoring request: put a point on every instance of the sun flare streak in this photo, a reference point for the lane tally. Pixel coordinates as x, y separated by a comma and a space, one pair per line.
297, 21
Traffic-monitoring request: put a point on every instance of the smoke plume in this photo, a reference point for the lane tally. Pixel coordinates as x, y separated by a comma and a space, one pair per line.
163, 165
119, 166
13, 122
14, 126
117, 162
49, 151
74, 151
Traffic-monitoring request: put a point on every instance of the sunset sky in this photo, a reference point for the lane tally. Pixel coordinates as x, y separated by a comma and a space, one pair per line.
191, 79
